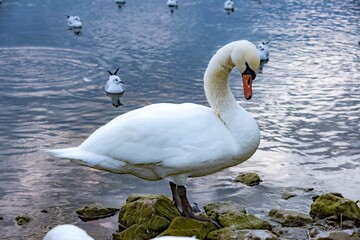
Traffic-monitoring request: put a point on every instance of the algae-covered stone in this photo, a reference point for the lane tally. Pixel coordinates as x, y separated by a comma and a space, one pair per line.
214, 210
231, 233
135, 232
95, 211
150, 214
249, 179
182, 226
243, 221
290, 218
335, 205
23, 219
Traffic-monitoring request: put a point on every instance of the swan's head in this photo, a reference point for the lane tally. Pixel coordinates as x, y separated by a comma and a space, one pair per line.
246, 58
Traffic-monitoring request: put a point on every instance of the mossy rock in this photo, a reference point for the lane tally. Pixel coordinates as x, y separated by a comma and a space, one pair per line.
339, 235
331, 204
231, 233
152, 212
182, 226
135, 232
214, 210
22, 220
249, 179
290, 218
243, 221
95, 211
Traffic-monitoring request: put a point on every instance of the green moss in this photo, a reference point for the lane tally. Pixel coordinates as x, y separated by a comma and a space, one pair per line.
250, 179
335, 205
135, 232
182, 226
243, 221
290, 218
23, 219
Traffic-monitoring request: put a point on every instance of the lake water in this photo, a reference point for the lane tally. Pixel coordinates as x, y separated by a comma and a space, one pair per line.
306, 100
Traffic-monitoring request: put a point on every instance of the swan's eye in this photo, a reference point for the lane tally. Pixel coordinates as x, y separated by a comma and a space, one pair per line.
248, 70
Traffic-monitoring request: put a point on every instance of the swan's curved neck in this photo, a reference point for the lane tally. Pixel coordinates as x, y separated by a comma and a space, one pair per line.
241, 124
216, 81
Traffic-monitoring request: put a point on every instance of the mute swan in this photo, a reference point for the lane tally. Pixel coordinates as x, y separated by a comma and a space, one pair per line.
264, 51
172, 3
177, 141
115, 88
74, 22
229, 5
67, 232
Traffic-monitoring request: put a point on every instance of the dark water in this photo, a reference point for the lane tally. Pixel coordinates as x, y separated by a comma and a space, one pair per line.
306, 101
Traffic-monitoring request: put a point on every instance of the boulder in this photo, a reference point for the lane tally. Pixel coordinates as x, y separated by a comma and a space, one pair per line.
231, 233
182, 226
22, 220
243, 221
145, 216
290, 218
249, 179
339, 235
334, 204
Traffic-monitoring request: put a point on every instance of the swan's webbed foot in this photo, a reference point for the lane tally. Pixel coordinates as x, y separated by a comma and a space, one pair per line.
182, 204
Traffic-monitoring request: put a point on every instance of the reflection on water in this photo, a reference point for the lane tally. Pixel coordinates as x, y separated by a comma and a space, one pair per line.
306, 100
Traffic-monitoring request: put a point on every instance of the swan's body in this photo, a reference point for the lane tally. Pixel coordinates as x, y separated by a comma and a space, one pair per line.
264, 52
67, 232
229, 5
115, 88
177, 141
172, 3
74, 22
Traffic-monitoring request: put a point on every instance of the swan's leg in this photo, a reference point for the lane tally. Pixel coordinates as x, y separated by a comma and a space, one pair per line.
187, 209
175, 196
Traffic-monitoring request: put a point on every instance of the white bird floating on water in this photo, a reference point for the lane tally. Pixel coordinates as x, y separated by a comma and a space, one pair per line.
120, 3
67, 232
115, 88
172, 3
229, 5
74, 22
177, 141
264, 51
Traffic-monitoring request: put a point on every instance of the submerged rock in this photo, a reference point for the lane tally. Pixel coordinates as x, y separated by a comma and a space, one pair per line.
249, 179
22, 220
182, 226
290, 218
145, 216
293, 233
95, 211
335, 205
339, 235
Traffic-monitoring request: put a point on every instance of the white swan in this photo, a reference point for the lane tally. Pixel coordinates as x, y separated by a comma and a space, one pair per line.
229, 5
67, 232
177, 141
172, 3
74, 22
115, 88
264, 52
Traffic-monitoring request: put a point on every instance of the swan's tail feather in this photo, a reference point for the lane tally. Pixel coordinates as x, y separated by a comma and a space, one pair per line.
87, 158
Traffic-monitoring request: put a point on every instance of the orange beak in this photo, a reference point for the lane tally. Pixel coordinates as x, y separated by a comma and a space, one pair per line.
247, 84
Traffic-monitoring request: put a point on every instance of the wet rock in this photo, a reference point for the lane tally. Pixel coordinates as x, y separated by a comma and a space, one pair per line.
293, 233
243, 221
95, 211
214, 210
231, 233
339, 235
145, 216
249, 179
294, 191
182, 226
22, 220
287, 195
334, 204
289, 218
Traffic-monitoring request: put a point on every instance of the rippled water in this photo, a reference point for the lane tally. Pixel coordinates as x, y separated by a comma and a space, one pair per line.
306, 100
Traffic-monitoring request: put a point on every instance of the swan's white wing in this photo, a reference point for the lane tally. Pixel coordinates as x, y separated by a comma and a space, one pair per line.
67, 232
178, 137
